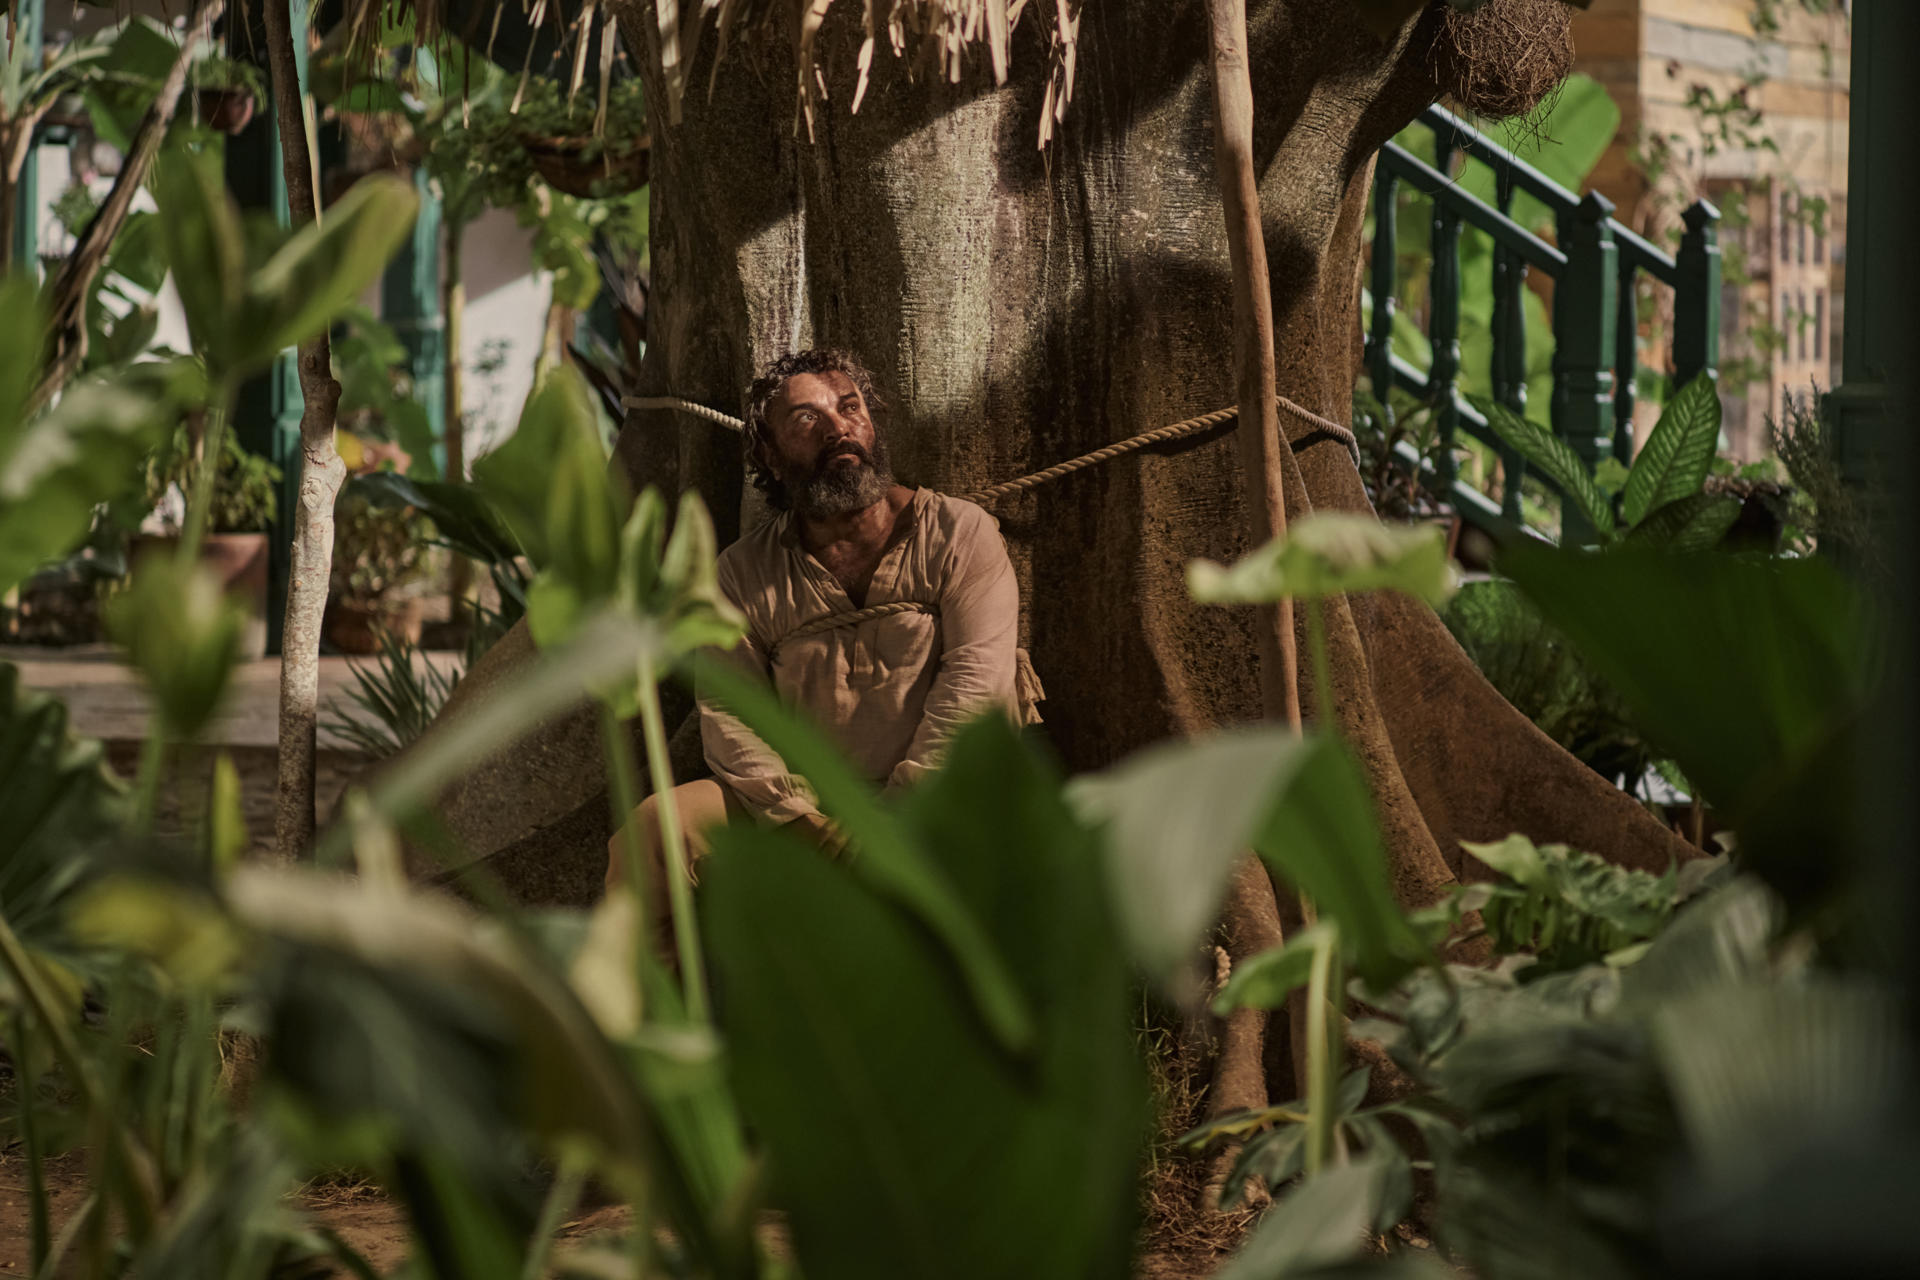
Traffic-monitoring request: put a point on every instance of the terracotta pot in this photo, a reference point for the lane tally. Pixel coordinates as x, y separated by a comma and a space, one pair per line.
620, 169
239, 561
228, 110
355, 628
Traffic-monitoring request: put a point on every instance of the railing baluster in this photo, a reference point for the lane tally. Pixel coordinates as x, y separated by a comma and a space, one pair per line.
1696, 296
1381, 284
1443, 320
1509, 348
1584, 317
1626, 349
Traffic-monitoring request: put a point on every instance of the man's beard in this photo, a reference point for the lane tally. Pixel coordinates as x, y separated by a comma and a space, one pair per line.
830, 489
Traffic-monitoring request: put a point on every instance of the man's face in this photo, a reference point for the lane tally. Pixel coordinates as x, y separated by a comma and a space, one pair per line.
824, 448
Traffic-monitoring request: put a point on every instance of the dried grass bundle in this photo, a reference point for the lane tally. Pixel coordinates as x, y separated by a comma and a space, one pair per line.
1503, 58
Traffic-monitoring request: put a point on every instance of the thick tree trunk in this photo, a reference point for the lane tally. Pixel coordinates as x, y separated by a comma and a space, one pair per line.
321, 473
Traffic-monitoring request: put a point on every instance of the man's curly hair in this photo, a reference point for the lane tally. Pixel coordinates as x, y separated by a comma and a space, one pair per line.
757, 437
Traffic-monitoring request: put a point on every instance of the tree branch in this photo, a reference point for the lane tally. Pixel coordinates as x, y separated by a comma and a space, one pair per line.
1258, 439
67, 315
321, 474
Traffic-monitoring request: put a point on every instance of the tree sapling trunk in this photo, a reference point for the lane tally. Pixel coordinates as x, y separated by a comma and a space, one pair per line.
321, 474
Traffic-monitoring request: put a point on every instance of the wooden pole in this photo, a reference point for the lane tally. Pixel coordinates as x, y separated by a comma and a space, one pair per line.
1258, 438
321, 474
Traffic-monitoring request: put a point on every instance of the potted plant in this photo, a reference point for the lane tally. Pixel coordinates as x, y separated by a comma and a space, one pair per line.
577, 148
225, 92
240, 510
377, 551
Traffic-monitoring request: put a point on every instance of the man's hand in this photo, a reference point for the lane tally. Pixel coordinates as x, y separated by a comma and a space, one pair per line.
819, 832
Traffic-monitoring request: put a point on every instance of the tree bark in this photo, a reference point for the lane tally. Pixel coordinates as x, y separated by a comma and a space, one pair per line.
321, 474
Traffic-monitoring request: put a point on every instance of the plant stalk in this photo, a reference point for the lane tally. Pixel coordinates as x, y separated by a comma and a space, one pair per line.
686, 929
27, 1093
206, 476
453, 307
321, 474
1261, 447
1320, 1067
146, 786
623, 776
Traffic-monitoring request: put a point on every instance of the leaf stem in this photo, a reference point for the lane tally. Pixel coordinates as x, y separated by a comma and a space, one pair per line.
686, 930
623, 778
1319, 1068
212, 446
146, 786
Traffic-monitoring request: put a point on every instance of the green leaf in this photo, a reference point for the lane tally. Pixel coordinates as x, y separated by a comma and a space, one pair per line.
1696, 522
58, 803
22, 336
1554, 459
1324, 1223
552, 464
319, 272
1674, 461
1177, 817
377, 974
1751, 673
182, 634
1321, 836
1757, 1070
461, 514
885, 858
85, 451
1575, 908
1264, 981
1329, 554
205, 249
838, 1001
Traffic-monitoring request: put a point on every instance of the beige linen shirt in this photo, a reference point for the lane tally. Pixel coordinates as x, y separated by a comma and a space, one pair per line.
888, 691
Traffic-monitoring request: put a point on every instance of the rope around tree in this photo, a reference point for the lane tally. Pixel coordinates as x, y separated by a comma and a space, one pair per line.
1132, 444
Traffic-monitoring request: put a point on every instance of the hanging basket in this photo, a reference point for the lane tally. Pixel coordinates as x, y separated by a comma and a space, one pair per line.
619, 169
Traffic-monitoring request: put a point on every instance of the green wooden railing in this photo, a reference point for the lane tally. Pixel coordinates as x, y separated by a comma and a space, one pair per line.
1594, 262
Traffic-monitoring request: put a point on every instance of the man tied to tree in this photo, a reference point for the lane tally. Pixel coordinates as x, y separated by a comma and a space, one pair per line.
844, 536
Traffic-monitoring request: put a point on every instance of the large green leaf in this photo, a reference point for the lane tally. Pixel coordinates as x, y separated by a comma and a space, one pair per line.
555, 457
56, 469
1758, 1069
57, 800
206, 249
182, 634
903, 1139
323, 267
1674, 461
1697, 522
1554, 458
1323, 1224
462, 517
1750, 673
1321, 835
22, 335
884, 857
1177, 817
1328, 554
1264, 981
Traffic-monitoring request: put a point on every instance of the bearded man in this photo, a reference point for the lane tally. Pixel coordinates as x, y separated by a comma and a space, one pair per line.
845, 536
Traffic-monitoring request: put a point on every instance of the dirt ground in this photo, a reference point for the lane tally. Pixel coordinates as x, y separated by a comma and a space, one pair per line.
377, 1228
